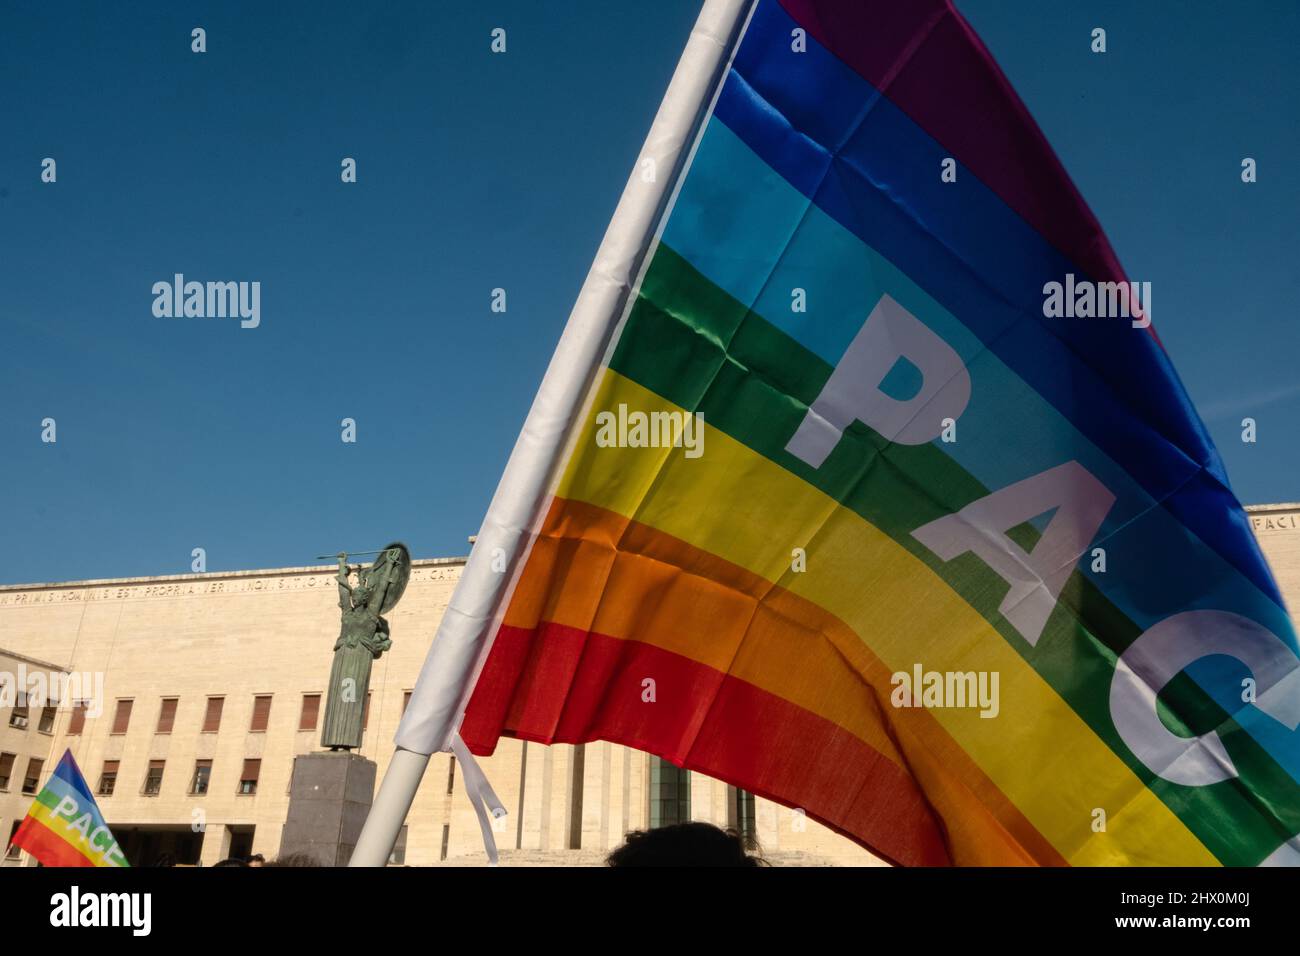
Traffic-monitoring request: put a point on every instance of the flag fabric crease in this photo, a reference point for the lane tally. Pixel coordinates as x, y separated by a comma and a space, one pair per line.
904, 466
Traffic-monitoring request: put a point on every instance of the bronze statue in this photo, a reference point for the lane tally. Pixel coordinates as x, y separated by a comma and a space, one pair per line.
363, 637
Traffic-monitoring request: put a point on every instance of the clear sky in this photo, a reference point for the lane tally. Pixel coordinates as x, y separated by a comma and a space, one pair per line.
478, 171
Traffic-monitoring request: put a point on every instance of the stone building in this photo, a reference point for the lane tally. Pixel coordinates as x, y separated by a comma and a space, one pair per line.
212, 683
26, 733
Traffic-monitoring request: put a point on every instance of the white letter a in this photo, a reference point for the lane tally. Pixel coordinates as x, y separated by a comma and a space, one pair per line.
1036, 577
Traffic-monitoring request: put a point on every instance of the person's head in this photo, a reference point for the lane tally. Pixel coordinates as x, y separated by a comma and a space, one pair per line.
230, 861
294, 859
683, 844
257, 860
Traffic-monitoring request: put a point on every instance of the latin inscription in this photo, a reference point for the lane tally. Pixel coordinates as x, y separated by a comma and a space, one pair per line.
172, 589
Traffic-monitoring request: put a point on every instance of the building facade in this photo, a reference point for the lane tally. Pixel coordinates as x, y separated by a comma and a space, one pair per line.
204, 687
26, 738
212, 683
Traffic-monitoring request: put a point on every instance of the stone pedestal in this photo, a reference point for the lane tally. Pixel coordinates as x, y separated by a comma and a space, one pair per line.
329, 798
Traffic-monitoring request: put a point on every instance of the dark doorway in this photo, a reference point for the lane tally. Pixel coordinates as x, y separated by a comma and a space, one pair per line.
146, 845
241, 842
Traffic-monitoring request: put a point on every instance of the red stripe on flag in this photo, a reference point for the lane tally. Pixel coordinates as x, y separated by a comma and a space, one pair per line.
47, 846
557, 684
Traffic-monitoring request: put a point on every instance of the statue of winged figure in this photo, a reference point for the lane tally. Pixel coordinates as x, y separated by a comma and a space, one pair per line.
363, 638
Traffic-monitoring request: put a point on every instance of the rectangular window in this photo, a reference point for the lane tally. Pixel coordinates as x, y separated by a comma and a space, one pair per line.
108, 778
77, 723
406, 701
122, 719
398, 856
6, 770
261, 713
166, 715
202, 775
248, 776
153, 778
13, 852
18, 716
745, 819
33, 775
577, 770
365, 712
310, 712
46, 724
212, 716
670, 793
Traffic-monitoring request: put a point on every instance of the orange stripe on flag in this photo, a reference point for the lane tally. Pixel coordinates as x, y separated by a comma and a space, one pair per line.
47, 846
597, 571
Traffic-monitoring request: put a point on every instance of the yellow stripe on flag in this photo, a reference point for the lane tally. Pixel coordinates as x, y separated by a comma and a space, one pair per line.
735, 503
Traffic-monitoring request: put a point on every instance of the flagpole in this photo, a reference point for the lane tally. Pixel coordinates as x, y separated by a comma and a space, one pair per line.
460, 647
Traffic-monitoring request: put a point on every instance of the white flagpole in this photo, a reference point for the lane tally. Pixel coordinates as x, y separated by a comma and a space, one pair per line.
464, 636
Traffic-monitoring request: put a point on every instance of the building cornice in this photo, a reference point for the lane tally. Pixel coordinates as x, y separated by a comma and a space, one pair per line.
216, 575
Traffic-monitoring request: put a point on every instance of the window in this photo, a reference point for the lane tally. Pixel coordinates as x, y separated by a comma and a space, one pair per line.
261, 714
77, 723
310, 711
108, 778
13, 852
46, 724
166, 715
212, 716
202, 775
365, 712
577, 771
670, 793
6, 770
398, 856
743, 818
406, 701
18, 717
33, 775
153, 778
248, 776
122, 719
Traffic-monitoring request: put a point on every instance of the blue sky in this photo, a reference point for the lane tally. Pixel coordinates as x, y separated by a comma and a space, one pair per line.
477, 171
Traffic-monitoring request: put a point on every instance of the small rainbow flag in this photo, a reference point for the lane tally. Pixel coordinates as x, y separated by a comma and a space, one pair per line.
847, 511
64, 826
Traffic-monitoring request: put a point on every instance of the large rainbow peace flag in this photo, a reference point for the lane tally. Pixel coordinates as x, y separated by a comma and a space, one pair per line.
64, 826
836, 464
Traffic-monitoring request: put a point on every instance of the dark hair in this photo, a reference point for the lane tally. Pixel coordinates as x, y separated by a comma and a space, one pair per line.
294, 859
684, 844
230, 861
257, 858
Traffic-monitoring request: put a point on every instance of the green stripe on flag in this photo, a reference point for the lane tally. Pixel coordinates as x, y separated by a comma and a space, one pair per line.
694, 345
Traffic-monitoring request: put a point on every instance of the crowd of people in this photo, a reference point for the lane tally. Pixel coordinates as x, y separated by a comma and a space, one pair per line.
683, 844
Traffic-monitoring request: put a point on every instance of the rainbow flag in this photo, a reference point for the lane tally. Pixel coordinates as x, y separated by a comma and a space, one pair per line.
64, 826
848, 516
